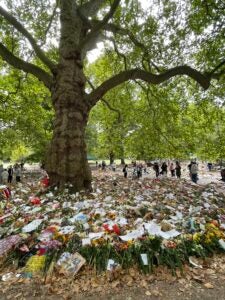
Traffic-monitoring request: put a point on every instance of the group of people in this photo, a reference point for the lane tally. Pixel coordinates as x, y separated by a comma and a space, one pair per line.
175, 169
8, 175
138, 169
172, 168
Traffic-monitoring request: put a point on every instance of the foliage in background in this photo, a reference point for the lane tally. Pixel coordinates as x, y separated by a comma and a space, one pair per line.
171, 120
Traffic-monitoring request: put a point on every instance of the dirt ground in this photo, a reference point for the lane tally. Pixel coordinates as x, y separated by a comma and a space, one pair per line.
206, 283
157, 290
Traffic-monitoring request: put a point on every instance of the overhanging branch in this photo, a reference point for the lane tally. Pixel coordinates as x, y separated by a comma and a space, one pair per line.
124, 76
107, 103
25, 66
40, 54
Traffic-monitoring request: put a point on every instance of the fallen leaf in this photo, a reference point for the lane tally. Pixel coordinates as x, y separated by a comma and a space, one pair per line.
182, 281
148, 293
198, 279
18, 295
156, 293
208, 285
144, 284
115, 283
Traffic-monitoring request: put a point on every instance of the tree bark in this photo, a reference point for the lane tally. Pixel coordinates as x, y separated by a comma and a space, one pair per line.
66, 160
111, 157
122, 161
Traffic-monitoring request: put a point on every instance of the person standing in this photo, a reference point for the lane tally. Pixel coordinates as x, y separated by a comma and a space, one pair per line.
164, 169
222, 175
1, 170
125, 171
18, 172
10, 174
139, 171
172, 170
178, 169
156, 169
114, 167
103, 165
5, 176
194, 172
209, 166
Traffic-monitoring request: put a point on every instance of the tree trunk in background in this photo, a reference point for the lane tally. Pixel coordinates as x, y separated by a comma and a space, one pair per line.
66, 160
111, 157
122, 161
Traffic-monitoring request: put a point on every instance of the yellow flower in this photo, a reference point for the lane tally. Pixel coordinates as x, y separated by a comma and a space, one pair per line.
130, 242
35, 264
197, 237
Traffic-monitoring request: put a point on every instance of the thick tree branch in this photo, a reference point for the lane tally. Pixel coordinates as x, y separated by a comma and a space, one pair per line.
91, 8
40, 54
50, 23
95, 31
117, 29
120, 54
126, 32
26, 67
107, 103
120, 78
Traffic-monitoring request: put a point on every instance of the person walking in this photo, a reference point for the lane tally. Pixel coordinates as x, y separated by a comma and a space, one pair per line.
125, 171
194, 171
178, 169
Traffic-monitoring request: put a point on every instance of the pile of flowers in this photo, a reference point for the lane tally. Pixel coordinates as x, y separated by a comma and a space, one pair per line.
108, 228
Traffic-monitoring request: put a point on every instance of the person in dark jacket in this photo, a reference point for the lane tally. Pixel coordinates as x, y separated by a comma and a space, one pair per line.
156, 169
164, 169
125, 171
178, 169
10, 174
222, 175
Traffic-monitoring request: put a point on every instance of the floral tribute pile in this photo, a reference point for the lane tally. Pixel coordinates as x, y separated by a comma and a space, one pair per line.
122, 223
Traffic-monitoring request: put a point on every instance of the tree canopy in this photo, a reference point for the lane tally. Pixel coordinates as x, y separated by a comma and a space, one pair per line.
161, 75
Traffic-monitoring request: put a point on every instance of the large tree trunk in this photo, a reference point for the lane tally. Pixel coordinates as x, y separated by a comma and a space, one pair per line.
66, 160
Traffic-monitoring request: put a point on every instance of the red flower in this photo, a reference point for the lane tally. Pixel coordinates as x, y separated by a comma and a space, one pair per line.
41, 251
106, 227
116, 229
45, 181
36, 201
